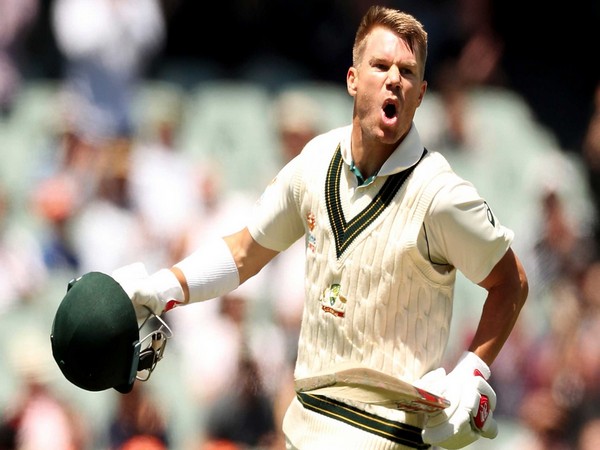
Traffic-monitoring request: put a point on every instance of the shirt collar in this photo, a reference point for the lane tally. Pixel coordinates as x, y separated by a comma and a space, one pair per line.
406, 155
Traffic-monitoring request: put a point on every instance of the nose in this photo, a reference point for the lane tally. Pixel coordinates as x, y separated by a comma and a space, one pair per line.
393, 77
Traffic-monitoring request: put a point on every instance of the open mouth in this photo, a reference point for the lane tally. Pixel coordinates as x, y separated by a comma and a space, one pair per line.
389, 110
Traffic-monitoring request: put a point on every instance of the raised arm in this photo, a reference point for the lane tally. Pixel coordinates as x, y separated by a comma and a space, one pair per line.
216, 268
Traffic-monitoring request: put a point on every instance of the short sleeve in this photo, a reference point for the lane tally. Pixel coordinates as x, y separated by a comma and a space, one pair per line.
461, 230
275, 222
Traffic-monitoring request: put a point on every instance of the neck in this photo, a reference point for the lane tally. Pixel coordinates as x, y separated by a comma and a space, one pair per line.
369, 155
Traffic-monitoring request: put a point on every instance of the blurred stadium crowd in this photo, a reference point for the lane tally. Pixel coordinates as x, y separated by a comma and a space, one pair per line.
132, 130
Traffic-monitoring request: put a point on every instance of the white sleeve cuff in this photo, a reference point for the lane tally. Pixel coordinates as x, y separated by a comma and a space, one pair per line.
210, 271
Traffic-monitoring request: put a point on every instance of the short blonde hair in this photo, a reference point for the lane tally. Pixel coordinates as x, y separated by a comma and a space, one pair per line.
401, 23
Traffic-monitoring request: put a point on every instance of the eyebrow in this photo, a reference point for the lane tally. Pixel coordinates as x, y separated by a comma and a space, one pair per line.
413, 64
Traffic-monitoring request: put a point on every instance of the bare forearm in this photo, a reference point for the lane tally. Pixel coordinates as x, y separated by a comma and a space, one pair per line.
507, 291
250, 257
498, 318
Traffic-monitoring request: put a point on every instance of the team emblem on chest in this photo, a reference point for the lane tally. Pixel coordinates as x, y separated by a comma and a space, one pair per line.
332, 301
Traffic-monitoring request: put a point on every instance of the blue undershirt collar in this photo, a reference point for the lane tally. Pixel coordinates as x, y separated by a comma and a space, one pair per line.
406, 155
359, 176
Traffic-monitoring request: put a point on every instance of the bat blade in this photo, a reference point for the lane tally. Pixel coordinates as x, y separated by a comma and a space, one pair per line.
365, 385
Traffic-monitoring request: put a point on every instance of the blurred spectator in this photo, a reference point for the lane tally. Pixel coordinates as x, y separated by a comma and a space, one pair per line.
591, 155
297, 119
138, 422
589, 438
16, 20
481, 48
563, 252
143, 443
107, 46
106, 232
563, 366
545, 420
163, 188
582, 370
220, 208
219, 341
22, 269
560, 255
242, 416
222, 336
469, 58
69, 182
36, 418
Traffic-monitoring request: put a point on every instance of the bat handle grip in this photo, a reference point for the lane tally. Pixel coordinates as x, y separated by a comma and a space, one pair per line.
483, 410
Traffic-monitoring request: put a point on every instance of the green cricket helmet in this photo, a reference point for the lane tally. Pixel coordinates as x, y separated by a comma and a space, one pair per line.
96, 340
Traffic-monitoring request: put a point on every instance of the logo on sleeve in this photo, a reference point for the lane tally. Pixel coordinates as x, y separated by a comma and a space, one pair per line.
490, 215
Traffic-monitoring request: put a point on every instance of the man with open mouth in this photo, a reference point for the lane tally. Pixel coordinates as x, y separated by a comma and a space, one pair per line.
386, 224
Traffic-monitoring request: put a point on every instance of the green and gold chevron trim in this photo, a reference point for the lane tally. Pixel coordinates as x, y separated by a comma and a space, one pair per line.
398, 432
345, 232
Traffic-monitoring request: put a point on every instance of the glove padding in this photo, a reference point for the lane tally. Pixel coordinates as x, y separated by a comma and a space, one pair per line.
150, 294
470, 414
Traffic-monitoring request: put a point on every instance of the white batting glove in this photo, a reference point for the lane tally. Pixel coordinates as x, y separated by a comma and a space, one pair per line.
470, 414
150, 294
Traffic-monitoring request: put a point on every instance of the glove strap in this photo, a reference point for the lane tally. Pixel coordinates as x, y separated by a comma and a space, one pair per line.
168, 288
470, 363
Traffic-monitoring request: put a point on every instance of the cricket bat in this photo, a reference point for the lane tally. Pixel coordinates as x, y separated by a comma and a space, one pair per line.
359, 383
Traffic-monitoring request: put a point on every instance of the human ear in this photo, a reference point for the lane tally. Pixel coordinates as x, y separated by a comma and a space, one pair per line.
351, 80
423, 89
